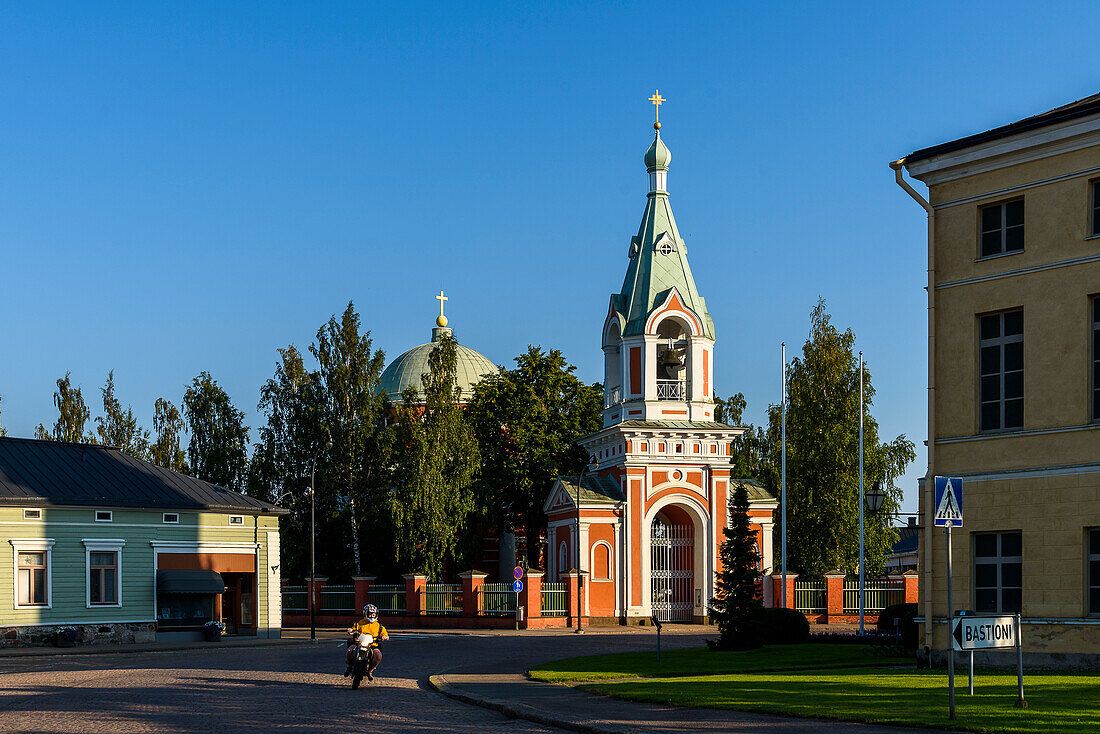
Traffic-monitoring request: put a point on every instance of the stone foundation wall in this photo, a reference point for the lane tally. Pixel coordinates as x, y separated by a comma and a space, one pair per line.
87, 634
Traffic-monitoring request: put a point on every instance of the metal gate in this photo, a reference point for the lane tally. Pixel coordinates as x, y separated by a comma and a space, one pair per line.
672, 562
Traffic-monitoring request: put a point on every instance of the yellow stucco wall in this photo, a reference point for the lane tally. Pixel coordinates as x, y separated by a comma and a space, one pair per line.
1055, 496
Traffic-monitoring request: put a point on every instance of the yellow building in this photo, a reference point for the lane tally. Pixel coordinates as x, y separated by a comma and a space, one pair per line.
1014, 377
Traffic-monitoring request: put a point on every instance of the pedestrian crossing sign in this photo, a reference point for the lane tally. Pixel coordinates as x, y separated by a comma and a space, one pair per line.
949, 500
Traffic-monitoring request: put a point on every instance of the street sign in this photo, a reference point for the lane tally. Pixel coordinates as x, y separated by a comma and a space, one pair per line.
979, 633
949, 502
518, 572
517, 586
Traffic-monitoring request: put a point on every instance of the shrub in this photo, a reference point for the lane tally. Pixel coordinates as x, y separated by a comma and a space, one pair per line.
784, 626
906, 627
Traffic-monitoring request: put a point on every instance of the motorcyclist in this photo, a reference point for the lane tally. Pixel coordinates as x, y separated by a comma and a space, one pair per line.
369, 625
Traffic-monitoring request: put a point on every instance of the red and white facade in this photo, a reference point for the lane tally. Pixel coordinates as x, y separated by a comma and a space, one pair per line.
650, 520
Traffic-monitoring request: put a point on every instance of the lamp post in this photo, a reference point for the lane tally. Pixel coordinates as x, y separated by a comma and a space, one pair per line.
312, 549
595, 464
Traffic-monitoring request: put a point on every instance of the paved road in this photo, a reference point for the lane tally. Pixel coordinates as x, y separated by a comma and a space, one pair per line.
290, 688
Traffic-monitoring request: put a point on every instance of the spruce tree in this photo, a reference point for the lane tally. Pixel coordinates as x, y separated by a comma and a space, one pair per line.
736, 608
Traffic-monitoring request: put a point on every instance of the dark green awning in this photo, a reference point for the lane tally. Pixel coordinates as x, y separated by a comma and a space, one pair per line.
189, 582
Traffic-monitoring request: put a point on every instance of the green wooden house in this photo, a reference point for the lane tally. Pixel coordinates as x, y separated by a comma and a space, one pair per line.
121, 550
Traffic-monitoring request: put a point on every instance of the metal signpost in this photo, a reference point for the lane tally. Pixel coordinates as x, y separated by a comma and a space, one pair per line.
517, 586
970, 633
949, 515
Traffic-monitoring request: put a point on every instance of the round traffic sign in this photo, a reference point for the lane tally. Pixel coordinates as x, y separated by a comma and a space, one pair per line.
518, 572
517, 586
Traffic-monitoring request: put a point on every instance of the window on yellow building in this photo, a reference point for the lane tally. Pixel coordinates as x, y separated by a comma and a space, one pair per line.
998, 572
1001, 366
1002, 228
1094, 572
1095, 229
1096, 358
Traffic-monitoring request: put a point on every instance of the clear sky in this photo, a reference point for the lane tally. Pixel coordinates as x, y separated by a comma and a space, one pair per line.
188, 187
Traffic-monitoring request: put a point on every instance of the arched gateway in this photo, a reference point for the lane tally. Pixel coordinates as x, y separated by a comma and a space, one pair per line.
646, 526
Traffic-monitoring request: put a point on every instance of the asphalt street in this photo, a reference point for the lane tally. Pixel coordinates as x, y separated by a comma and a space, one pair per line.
291, 688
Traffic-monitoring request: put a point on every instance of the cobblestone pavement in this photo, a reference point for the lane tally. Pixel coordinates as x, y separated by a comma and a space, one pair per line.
291, 688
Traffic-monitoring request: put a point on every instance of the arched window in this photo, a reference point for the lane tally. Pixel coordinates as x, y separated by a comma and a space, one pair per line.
563, 559
601, 562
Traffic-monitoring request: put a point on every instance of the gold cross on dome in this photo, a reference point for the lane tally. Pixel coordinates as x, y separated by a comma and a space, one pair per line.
441, 298
657, 99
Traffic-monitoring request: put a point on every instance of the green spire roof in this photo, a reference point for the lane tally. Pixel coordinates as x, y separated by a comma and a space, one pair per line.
658, 257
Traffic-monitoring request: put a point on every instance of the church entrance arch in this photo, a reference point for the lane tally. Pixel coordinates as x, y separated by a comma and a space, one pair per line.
672, 565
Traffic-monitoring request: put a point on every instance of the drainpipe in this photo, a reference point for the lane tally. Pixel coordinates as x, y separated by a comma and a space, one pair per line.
930, 476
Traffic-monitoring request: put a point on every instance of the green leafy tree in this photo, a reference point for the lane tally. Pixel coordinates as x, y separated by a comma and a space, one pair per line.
352, 416
528, 420
165, 450
283, 458
748, 452
118, 427
735, 609
73, 415
218, 449
436, 460
822, 456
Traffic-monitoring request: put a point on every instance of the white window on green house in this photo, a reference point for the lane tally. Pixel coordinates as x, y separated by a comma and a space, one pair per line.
171, 518
1093, 549
104, 516
998, 572
103, 563
34, 514
33, 572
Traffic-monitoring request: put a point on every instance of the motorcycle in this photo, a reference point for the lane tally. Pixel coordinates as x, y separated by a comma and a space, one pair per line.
361, 645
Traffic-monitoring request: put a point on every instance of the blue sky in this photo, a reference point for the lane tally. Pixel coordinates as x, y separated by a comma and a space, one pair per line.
190, 187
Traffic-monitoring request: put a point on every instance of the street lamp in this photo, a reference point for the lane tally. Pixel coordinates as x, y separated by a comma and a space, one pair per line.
593, 462
875, 498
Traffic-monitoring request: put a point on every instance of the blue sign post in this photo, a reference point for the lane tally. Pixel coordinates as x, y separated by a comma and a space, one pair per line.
517, 586
949, 514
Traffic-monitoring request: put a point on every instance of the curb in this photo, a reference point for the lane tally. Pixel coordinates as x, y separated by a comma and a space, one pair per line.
514, 710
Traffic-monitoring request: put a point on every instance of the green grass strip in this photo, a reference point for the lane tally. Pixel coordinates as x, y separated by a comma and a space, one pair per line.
701, 661
1057, 702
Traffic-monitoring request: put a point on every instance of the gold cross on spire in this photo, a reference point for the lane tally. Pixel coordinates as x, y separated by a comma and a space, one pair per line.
657, 99
442, 320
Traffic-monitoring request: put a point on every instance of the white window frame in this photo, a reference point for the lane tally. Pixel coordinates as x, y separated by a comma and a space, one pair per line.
1094, 208
104, 545
236, 524
1003, 229
998, 561
1001, 344
110, 516
166, 521
27, 513
1094, 308
32, 545
1090, 582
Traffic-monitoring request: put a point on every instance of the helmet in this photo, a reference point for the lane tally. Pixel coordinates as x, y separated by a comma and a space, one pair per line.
370, 612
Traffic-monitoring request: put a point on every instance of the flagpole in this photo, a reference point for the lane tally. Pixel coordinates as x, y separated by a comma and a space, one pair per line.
861, 583
783, 475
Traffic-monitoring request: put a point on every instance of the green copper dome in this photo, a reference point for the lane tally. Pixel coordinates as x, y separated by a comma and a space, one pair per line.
406, 370
658, 156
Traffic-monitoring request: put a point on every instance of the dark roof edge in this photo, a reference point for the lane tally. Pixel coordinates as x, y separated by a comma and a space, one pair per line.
1080, 108
108, 505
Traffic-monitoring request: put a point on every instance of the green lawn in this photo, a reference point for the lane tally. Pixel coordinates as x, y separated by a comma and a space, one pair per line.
697, 661
1057, 702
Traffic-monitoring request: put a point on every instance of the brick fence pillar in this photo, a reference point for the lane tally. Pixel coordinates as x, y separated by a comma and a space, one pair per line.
909, 581
362, 590
416, 601
531, 596
777, 590
834, 595
472, 581
315, 592
575, 589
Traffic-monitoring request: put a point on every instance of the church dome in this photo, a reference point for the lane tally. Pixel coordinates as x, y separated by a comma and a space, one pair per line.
406, 370
658, 155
